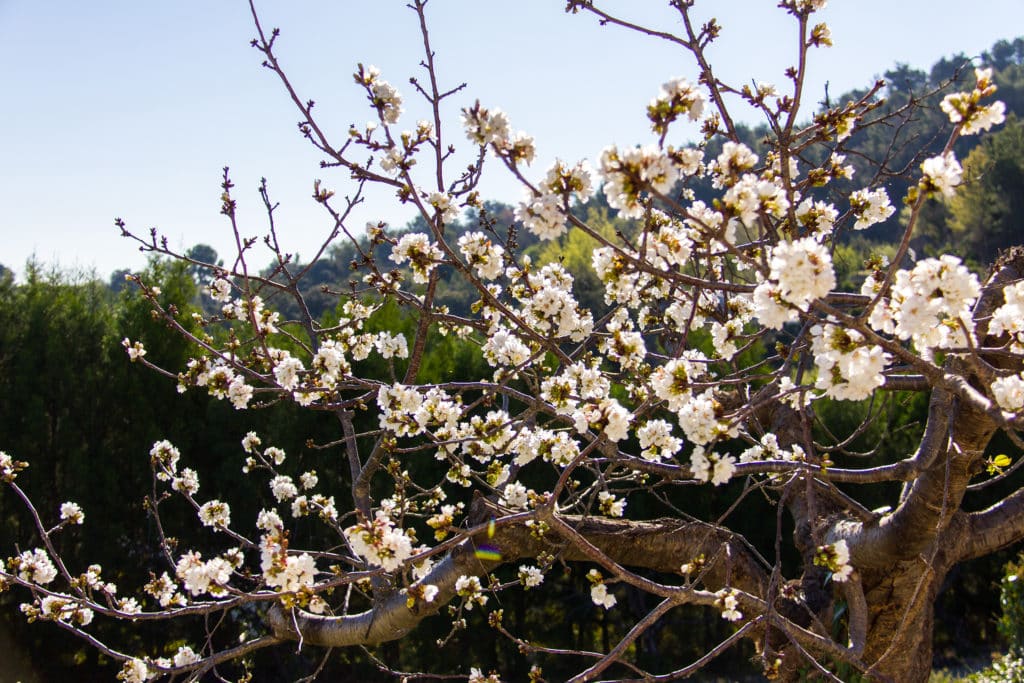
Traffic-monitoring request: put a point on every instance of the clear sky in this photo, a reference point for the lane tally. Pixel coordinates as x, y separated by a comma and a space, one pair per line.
131, 108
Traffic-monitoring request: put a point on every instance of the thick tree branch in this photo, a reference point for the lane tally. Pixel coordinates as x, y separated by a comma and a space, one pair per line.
660, 545
959, 433
993, 528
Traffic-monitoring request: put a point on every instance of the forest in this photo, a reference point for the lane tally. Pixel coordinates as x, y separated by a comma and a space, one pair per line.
86, 418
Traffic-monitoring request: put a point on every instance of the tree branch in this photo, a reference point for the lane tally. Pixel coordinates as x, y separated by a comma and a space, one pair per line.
993, 528
660, 545
959, 432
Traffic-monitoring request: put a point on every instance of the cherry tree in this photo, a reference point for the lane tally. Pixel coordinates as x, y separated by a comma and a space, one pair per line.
724, 331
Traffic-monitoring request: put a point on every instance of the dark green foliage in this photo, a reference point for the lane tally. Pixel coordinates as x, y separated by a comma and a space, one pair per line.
69, 403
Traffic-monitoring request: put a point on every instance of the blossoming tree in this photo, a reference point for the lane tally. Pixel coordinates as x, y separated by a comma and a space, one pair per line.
724, 331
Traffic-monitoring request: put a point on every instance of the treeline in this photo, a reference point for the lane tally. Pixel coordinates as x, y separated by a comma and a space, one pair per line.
85, 418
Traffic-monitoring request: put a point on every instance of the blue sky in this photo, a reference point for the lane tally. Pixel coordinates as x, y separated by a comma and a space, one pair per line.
131, 108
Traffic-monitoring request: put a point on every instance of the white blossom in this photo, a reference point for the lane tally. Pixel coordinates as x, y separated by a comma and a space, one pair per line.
601, 597
656, 440
676, 98
770, 308
35, 565
422, 255
251, 442
135, 350
383, 96
239, 393
469, 587
564, 180
870, 207
485, 257
729, 604
72, 513
186, 482
287, 372
447, 208
931, 304
134, 671
734, 160
200, 577
610, 505
542, 215
515, 496
964, 108
288, 572
530, 576
699, 419
819, 217
803, 269
216, 514
283, 488
274, 454
836, 558
485, 126
379, 542
848, 369
164, 457
942, 174
1009, 392
630, 173
185, 656
220, 290
724, 468
268, 520
308, 479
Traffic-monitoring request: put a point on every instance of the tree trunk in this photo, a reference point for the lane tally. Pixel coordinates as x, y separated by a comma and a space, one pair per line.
900, 620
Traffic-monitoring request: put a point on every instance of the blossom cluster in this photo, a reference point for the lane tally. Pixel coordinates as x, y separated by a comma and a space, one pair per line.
726, 600
929, 304
966, 110
1008, 322
599, 590
491, 127
9, 467
253, 310
848, 368
62, 608
422, 256
485, 257
382, 95
380, 542
1008, 319
34, 565
710, 466
282, 569
471, 591
199, 577
544, 212
870, 207
628, 174
220, 379
676, 98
